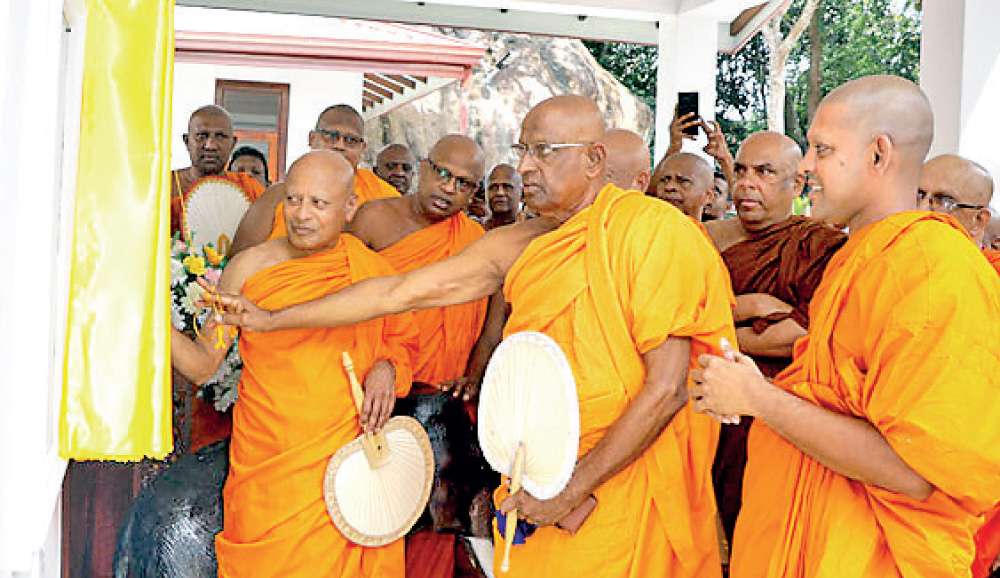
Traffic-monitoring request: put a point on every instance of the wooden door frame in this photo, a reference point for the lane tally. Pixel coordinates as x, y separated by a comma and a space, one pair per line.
282, 90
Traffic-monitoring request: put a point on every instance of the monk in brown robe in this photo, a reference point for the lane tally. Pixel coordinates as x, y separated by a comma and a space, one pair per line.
775, 262
339, 128
209, 141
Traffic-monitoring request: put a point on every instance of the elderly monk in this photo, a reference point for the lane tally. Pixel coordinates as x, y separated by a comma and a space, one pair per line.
396, 166
775, 262
209, 141
412, 232
963, 189
339, 128
295, 408
868, 454
628, 165
598, 272
504, 194
685, 181
991, 239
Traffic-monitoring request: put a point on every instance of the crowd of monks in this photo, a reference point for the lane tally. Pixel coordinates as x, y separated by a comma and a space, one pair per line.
760, 393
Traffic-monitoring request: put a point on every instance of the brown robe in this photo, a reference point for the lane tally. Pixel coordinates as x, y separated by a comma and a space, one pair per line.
786, 261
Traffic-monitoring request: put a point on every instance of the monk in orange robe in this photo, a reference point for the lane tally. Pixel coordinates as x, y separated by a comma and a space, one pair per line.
628, 160
412, 232
599, 273
339, 128
868, 455
685, 181
775, 261
210, 141
295, 408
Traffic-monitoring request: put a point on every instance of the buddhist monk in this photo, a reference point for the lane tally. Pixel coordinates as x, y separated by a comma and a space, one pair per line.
628, 162
870, 455
339, 128
396, 166
252, 162
991, 239
598, 271
504, 195
686, 181
479, 209
718, 207
775, 261
411, 232
209, 141
295, 408
958, 187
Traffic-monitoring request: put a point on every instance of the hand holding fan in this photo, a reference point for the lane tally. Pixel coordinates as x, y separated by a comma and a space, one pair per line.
377, 486
529, 418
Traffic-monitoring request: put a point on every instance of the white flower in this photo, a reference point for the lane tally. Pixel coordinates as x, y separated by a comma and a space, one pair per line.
177, 272
176, 319
192, 292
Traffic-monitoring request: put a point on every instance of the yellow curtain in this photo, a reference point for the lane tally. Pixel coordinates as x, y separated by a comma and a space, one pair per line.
116, 400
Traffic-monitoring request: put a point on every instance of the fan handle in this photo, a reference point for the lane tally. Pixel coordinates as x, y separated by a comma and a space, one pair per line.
515, 487
375, 445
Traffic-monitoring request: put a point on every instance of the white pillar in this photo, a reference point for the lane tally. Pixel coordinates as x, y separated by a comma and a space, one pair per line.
688, 48
960, 72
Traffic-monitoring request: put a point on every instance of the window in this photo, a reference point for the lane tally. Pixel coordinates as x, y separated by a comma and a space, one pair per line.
260, 118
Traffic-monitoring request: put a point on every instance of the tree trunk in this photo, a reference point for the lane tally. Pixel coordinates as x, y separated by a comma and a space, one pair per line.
815, 60
778, 49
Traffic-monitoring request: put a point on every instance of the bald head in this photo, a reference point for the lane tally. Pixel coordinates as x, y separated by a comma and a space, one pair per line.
561, 181
209, 140
957, 186
319, 200
766, 171
686, 181
395, 165
503, 192
628, 165
868, 141
340, 128
449, 177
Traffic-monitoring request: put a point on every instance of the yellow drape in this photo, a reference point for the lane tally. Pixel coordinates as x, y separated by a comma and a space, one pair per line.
116, 376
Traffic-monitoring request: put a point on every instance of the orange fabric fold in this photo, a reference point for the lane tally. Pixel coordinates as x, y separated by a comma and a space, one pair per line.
251, 187
612, 283
447, 334
897, 337
295, 411
367, 187
993, 257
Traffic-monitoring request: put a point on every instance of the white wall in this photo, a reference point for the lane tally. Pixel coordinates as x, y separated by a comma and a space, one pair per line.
960, 72
310, 91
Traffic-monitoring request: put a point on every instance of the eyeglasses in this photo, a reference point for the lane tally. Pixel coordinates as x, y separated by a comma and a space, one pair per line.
352, 141
541, 151
946, 203
464, 185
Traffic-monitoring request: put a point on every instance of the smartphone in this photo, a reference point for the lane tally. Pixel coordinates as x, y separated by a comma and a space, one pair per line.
687, 102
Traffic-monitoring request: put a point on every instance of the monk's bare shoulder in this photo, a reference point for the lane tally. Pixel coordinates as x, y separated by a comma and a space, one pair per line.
503, 245
382, 222
725, 233
257, 222
249, 262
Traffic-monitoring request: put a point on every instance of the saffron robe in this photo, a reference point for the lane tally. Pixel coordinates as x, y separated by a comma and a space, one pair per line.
993, 256
897, 338
367, 187
295, 411
610, 284
786, 261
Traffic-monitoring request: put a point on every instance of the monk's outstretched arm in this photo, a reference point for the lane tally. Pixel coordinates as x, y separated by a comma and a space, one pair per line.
776, 341
197, 359
848, 445
664, 392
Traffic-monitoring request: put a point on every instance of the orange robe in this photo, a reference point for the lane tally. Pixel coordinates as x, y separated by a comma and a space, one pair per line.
608, 286
367, 187
447, 335
993, 256
295, 411
251, 187
896, 337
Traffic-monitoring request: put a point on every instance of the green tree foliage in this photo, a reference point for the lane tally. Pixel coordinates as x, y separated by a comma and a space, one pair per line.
634, 65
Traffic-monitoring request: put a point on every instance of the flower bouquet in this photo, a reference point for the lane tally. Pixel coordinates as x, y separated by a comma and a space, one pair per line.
187, 264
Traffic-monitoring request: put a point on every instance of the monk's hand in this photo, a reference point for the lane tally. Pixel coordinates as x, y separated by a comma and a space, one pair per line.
539, 512
716, 147
235, 309
727, 386
380, 396
463, 387
678, 126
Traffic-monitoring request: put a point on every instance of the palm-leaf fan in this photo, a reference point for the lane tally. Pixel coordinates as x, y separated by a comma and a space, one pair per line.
377, 485
529, 418
212, 211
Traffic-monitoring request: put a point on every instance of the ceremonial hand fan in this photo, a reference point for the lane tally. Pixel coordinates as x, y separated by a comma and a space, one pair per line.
213, 210
529, 419
377, 485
